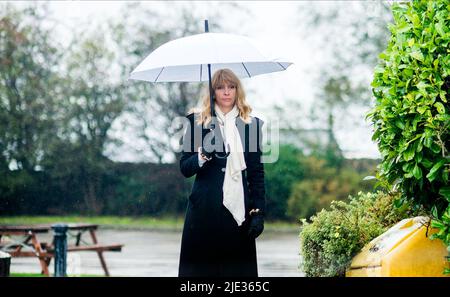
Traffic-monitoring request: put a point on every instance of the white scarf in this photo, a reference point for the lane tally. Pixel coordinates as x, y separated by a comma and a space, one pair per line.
233, 191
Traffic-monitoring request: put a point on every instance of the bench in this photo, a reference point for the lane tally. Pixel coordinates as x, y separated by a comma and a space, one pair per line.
94, 247
45, 251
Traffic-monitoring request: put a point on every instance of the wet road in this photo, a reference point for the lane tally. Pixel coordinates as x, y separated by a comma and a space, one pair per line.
156, 253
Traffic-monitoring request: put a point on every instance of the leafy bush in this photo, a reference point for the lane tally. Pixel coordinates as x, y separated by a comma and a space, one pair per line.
322, 185
411, 115
335, 236
280, 176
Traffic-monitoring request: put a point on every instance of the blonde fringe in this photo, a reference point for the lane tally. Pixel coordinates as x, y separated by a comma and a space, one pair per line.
221, 76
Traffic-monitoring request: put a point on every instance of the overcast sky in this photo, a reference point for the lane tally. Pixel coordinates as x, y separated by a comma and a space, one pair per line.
272, 25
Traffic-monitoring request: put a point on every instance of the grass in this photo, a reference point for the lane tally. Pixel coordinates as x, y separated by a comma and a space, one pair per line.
42, 275
114, 222
129, 223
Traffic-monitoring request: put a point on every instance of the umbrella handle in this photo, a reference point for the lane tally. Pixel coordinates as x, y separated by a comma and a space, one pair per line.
225, 155
216, 154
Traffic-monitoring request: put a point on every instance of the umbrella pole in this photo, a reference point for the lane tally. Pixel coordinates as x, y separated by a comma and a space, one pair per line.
211, 103
213, 114
211, 100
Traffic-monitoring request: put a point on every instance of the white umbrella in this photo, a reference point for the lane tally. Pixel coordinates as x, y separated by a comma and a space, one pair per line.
186, 59
193, 58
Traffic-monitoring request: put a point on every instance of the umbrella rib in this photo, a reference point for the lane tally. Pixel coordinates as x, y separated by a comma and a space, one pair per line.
246, 70
159, 74
281, 65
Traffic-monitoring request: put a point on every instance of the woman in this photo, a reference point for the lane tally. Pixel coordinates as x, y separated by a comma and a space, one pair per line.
225, 211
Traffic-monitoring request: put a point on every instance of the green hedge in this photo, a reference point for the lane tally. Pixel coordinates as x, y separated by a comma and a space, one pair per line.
411, 116
335, 236
323, 184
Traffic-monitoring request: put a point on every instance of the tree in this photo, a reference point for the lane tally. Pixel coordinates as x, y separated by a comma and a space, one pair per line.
29, 105
95, 99
348, 37
29, 66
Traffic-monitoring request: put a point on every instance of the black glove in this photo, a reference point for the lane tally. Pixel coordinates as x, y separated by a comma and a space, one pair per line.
206, 154
256, 225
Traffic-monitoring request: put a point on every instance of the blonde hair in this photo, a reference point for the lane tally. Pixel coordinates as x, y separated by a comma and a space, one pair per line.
220, 77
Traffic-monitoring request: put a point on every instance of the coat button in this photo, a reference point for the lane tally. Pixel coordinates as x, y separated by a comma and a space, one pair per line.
223, 169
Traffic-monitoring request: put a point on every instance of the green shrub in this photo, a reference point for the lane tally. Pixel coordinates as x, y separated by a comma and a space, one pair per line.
323, 184
411, 116
335, 236
280, 176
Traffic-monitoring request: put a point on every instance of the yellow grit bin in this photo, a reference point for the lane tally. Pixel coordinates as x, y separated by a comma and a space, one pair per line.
403, 250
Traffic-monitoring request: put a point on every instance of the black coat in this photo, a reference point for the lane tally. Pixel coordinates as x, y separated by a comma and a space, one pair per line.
212, 242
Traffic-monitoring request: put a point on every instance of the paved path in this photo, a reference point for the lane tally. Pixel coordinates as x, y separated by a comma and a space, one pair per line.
156, 253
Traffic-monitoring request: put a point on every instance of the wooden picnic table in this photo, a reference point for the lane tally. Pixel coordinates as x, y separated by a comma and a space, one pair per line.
30, 245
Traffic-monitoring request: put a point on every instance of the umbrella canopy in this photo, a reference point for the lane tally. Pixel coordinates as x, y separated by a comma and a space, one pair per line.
186, 59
